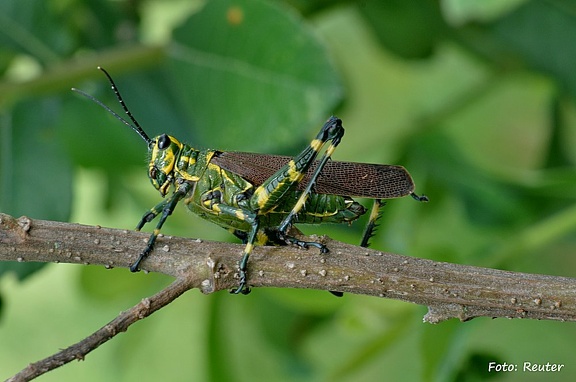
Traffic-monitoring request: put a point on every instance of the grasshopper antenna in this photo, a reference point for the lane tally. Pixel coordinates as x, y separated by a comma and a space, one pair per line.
134, 125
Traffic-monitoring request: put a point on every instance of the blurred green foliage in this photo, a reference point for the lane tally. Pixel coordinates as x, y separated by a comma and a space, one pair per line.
476, 99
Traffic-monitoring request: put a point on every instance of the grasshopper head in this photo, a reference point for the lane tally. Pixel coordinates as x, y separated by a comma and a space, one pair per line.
164, 151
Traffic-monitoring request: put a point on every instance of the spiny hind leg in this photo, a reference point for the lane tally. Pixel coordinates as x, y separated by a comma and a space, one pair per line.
331, 131
376, 213
273, 190
372, 223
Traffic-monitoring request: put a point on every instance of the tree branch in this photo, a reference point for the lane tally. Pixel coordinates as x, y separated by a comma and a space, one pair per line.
448, 290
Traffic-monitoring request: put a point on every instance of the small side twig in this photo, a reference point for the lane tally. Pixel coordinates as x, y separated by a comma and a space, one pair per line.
120, 324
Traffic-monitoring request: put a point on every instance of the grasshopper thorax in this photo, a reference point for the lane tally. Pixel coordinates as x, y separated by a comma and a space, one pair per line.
164, 151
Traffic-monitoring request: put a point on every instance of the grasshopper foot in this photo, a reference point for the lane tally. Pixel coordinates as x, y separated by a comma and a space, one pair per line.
422, 198
306, 244
135, 267
302, 244
242, 288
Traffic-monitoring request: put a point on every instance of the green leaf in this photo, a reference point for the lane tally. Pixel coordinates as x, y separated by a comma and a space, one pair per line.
540, 33
47, 32
456, 362
119, 287
557, 155
487, 200
474, 367
408, 28
447, 336
33, 28
94, 138
252, 75
35, 172
20, 270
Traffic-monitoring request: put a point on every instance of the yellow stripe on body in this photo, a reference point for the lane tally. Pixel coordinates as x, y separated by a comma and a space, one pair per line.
322, 214
224, 174
182, 169
186, 158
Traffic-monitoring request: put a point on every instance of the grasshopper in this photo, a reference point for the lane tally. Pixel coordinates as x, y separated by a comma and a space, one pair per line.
258, 197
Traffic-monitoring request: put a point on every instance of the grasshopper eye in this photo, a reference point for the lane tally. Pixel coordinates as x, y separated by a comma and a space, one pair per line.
163, 142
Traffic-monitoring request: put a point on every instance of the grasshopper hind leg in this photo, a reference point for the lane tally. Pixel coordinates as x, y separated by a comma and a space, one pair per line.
372, 224
331, 131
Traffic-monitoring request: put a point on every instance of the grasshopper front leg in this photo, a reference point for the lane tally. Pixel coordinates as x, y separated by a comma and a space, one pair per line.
166, 207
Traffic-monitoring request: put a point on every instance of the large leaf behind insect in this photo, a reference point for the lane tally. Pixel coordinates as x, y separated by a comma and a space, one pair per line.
233, 78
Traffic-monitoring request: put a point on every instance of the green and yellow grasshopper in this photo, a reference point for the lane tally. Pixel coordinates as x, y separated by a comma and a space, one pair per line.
258, 197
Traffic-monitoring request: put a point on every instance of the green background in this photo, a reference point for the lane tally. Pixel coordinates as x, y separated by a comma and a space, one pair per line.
475, 99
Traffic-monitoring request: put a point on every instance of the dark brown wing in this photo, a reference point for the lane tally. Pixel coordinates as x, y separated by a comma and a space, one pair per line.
361, 180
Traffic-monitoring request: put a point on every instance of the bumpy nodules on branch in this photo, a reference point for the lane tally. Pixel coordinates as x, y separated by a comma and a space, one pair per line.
449, 290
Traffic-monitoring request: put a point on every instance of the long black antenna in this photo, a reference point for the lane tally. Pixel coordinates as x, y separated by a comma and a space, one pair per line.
134, 125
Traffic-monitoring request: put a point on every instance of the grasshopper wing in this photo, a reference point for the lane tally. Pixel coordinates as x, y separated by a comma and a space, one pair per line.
363, 180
